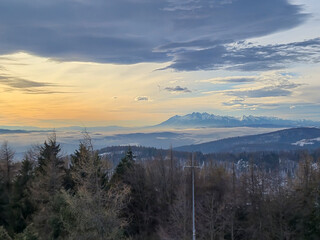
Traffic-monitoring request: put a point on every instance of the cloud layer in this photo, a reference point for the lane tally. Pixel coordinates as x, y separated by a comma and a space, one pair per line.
192, 33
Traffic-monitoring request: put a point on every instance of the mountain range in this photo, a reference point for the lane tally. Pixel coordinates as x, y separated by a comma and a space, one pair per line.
193, 120
197, 119
283, 140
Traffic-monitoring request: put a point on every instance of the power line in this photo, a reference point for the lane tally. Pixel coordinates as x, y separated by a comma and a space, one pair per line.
193, 199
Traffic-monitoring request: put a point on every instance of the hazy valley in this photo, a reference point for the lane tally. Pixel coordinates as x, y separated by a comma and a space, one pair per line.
175, 132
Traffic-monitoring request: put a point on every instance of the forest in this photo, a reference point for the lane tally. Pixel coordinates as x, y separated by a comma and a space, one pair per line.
49, 195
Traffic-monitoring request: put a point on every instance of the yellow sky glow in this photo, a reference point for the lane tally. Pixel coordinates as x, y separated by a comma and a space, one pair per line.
43, 92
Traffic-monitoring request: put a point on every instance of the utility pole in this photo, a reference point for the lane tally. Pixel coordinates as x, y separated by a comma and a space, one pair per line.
193, 200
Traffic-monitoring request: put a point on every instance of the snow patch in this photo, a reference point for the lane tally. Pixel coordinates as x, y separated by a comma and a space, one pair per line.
303, 142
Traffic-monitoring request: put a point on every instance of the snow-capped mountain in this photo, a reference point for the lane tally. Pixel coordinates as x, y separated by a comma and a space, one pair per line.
197, 119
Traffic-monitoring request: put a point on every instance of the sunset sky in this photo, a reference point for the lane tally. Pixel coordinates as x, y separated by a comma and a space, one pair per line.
139, 62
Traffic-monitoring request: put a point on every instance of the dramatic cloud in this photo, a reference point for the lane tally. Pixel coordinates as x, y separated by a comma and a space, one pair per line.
177, 89
26, 86
142, 98
132, 31
246, 57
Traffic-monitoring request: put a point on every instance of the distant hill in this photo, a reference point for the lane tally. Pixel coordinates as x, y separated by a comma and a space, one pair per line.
283, 140
96, 129
197, 119
7, 131
116, 153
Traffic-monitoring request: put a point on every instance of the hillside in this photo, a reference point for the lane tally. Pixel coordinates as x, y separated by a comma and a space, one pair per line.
283, 140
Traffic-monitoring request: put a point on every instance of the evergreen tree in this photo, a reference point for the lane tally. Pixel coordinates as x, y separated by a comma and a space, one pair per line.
49, 154
4, 234
6, 163
49, 172
6, 176
87, 169
124, 166
92, 210
29, 233
21, 204
141, 208
46, 187
4, 202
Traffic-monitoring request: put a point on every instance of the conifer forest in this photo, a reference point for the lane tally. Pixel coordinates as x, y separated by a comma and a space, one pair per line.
83, 196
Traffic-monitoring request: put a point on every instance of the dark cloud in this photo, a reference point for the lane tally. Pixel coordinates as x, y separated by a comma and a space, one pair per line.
233, 79
247, 57
142, 98
26, 86
282, 89
21, 83
131, 31
239, 80
177, 89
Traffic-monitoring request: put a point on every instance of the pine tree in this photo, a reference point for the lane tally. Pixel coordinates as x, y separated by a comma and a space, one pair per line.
141, 208
6, 163
46, 187
4, 234
93, 211
126, 163
6, 176
49, 172
21, 204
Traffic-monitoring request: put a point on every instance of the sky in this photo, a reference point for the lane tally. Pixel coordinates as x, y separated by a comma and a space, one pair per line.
139, 62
